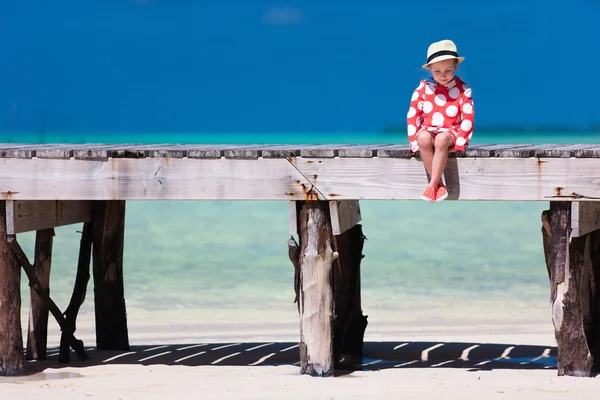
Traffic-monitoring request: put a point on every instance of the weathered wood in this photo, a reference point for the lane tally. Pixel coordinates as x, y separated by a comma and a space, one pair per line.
344, 215
109, 297
11, 340
585, 217
349, 323
153, 178
396, 179
79, 290
35, 215
42, 292
37, 332
294, 255
316, 294
569, 288
293, 216
295, 179
594, 302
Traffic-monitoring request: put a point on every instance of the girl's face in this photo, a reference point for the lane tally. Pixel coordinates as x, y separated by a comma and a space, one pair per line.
443, 71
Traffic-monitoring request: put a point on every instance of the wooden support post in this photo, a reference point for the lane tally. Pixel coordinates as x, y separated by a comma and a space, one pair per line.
326, 275
350, 323
315, 295
574, 267
79, 290
44, 295
37, 333
109, 298
11, 339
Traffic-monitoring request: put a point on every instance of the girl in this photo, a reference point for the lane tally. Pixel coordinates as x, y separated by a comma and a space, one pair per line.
441, 115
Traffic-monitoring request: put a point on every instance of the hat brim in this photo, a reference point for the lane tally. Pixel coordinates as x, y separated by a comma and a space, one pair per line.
442, 58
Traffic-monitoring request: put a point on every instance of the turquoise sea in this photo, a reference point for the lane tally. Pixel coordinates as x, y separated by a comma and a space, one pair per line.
474, 260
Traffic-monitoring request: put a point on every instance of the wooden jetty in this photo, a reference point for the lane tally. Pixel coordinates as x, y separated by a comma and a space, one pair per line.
45, 186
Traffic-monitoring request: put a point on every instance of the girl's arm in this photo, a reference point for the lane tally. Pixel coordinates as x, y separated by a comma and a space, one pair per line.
414, 117
467, 113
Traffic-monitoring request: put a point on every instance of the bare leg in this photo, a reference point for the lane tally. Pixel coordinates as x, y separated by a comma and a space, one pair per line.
440, 157
425, 140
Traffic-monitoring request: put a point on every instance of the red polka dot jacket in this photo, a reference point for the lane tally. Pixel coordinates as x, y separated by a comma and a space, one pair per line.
441, 108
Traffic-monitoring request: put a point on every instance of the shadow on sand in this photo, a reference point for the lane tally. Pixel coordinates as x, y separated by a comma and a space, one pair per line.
377, 356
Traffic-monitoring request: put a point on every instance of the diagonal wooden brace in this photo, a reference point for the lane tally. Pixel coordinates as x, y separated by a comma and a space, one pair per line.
34, 282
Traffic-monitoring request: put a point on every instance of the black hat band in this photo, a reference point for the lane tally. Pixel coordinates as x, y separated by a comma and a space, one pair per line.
441, 53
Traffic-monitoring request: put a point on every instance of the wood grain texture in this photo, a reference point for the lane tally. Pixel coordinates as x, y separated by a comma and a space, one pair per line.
585, 217
566, 256
316, 293
109, 297
34, 215
11, 340
37, 332
297, 179
344, 215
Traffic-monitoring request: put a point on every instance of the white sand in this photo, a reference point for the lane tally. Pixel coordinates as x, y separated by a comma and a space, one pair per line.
207, 382
134, 381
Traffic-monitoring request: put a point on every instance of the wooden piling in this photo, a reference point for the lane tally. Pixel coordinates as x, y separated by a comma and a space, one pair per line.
79, 289
37, 332
44, 295
327, 283
574, 266
109, 298
11, 339
349, 323
315, 289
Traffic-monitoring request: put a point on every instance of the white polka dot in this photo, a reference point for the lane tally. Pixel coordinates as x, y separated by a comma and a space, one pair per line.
427, 107
454, 93
420, 105
411, 130
420, 85
415, 96
438, 119
467, 108
440, 100
466, 125
461, 141
411, 112
451, 111
429, 89
467, 90
470, 135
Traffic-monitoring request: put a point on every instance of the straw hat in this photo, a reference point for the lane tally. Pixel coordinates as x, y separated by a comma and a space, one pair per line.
442, 50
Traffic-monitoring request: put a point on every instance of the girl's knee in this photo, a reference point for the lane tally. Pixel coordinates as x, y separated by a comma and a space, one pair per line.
442, 141
424, 139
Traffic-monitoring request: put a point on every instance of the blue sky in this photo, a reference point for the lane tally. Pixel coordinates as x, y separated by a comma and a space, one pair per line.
345, 65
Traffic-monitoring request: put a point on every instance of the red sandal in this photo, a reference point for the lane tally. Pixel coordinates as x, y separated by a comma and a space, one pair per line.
429, 195
442, 193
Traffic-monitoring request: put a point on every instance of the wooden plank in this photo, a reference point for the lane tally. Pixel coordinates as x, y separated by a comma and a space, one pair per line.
150, 178
293, 215
10, 217
316, 293
109, 298
37, 332
11, 339
585, 217
33, 215
344, 215
276, 150
478, 179
296, 179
